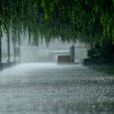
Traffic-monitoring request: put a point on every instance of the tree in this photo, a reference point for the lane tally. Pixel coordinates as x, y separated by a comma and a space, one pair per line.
87, 20
0, 46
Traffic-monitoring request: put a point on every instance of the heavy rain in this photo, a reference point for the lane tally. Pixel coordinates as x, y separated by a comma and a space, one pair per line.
56, 57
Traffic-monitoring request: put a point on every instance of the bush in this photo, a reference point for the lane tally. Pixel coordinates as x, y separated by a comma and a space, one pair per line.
102, 53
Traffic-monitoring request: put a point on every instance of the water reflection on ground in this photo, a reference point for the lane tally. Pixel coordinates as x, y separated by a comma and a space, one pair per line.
55, 89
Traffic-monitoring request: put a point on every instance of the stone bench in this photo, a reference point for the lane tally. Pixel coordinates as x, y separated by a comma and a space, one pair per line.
67, 58
64, 59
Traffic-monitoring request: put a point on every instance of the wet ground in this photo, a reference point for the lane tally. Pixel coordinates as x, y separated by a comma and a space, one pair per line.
55, 89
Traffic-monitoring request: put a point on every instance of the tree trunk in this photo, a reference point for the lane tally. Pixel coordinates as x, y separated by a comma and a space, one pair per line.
14, 50
19, 43
8, 46
0, 49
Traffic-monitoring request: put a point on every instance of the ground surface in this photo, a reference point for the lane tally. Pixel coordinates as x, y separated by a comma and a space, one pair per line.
55, 89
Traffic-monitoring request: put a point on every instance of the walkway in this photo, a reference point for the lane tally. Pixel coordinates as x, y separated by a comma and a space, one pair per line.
55, 89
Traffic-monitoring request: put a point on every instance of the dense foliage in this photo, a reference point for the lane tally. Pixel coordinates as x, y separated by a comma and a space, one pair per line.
91, 21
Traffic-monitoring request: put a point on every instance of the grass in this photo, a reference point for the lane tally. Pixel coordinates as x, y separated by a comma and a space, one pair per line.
96, 107
109, 69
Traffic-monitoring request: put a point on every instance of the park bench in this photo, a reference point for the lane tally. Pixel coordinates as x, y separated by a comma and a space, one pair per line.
67, 58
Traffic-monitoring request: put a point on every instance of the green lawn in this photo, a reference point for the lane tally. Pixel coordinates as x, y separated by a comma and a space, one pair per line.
106, 69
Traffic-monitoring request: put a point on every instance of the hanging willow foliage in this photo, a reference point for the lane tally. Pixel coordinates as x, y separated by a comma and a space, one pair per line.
89, 20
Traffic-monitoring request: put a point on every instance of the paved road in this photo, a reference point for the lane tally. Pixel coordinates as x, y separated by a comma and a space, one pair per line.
55, 89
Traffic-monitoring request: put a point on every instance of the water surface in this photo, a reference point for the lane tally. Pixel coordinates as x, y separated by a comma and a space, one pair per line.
46, 88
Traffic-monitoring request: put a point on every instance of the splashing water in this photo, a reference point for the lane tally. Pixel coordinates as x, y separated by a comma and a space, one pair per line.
49, 88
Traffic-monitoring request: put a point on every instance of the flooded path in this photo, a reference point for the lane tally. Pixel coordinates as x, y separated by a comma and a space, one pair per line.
55, 89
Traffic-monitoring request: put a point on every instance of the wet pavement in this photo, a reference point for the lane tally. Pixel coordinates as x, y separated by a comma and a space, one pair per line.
55, 89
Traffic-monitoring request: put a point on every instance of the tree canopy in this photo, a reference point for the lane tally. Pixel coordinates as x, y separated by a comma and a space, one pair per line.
88, 20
